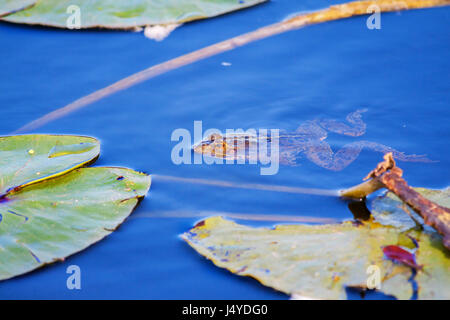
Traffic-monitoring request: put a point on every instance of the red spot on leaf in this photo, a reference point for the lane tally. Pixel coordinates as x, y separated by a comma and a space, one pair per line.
400, 255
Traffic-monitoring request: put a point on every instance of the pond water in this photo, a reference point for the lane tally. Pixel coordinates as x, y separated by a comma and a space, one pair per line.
400, 73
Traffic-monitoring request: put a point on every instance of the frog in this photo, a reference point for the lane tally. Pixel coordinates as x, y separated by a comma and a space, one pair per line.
307, 140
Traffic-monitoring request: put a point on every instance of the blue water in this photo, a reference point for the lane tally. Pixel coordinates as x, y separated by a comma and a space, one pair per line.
401, 73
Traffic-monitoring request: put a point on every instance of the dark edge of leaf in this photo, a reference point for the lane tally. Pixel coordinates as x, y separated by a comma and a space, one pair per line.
18, 10
124, 28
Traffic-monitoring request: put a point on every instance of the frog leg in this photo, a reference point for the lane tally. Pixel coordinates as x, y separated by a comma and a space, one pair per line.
311, 129
321, 154
356, 128
289, 158
378, 147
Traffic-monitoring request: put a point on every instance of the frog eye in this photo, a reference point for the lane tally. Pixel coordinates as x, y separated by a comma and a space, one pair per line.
214, 137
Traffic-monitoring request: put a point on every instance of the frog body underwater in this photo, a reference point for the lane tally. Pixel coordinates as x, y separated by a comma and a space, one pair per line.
308, 140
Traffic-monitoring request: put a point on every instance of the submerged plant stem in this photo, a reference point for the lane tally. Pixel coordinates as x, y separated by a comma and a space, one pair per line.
252, 186
331, 13
362, 190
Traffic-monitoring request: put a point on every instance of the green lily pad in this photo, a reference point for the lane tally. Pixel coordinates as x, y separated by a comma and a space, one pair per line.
51, 220
127, 14
11, 6
28, 159
67, 209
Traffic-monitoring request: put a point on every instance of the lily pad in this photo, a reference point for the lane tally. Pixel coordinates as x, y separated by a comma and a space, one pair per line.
11, 6
127, 14
320, 261
434, 280
29, 159
48, 219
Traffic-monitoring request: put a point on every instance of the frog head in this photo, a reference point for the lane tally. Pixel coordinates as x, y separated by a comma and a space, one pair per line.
213, 146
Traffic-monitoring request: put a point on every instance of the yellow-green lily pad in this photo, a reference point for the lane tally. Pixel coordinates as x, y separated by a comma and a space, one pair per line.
67, 209
301, 260
434, 280
117, 14
319, 262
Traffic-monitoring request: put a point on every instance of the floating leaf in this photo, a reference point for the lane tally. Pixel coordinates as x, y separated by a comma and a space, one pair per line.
126, 14
319, 261
50, 220
10, 6
434, 280
29, 159
47, 220
303, 260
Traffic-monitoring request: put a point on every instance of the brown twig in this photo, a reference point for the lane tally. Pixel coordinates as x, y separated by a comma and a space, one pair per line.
388, 175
